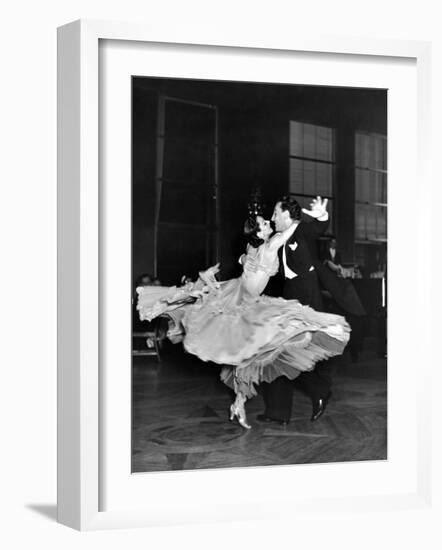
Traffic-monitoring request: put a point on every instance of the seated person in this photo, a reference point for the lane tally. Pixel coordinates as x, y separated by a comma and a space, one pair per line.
138, 326
332, 258
341, 294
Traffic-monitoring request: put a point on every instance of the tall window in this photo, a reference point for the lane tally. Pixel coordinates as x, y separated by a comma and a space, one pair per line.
186, 216
312, 163
371, 198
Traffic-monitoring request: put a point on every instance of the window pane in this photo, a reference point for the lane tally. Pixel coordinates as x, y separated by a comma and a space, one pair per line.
380, 188
296, 183
360, 222
375, 187
371, 151
308, 140
296, 139
311, 178
324, 143
371, 186
324, 179
309, 169
382, 222
362, 182
382, 193
370, 219
378, 160
361, 150
373, 192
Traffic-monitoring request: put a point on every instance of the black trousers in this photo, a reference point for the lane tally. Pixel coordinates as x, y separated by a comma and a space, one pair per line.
278, 395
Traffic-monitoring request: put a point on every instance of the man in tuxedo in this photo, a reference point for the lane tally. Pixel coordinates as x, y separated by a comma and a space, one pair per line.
297, 267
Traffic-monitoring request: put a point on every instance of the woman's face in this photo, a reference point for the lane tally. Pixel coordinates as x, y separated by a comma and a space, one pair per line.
265, 229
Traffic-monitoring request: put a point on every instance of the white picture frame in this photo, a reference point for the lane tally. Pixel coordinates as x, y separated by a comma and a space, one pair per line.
79, 437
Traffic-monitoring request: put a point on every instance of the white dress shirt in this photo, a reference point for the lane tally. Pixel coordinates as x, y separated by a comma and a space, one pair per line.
288, 273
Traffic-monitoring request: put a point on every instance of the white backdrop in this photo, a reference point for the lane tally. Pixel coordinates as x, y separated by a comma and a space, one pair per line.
28, 252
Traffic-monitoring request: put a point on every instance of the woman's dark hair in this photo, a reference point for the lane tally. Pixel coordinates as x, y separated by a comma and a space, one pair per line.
292, 205
251, 230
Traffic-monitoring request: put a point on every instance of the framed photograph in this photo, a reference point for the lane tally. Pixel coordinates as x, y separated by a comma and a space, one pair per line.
201, 187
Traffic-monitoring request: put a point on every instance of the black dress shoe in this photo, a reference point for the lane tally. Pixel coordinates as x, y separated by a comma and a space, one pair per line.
319, 406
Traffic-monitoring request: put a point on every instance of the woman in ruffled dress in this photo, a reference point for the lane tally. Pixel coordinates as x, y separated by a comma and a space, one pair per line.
256, 338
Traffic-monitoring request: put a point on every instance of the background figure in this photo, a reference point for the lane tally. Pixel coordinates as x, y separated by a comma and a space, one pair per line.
332, 258
297, 262
340, 296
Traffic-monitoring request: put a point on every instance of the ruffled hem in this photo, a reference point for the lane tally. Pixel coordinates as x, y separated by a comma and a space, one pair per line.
238, 329
290, 361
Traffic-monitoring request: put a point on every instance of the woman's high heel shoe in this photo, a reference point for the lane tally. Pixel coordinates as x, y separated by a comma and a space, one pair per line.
240, 414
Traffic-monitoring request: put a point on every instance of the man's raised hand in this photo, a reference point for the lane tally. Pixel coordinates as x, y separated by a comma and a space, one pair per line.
318, 208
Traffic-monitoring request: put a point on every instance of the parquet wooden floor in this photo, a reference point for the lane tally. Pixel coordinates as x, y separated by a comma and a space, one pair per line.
180, 418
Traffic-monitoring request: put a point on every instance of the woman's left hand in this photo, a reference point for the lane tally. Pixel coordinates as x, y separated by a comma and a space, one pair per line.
208, 277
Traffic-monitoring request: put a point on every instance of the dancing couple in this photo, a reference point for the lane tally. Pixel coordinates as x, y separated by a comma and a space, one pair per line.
259, 339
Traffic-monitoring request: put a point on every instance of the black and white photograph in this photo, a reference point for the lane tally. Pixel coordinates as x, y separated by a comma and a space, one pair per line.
259, 254
220, 275
245, 218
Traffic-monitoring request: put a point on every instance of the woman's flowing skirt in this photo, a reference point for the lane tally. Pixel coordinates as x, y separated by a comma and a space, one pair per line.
260, 336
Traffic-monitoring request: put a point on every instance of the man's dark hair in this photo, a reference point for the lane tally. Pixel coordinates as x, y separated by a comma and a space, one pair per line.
292, 205
251, 230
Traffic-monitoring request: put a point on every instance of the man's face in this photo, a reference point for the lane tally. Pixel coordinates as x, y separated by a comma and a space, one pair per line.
281, 218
